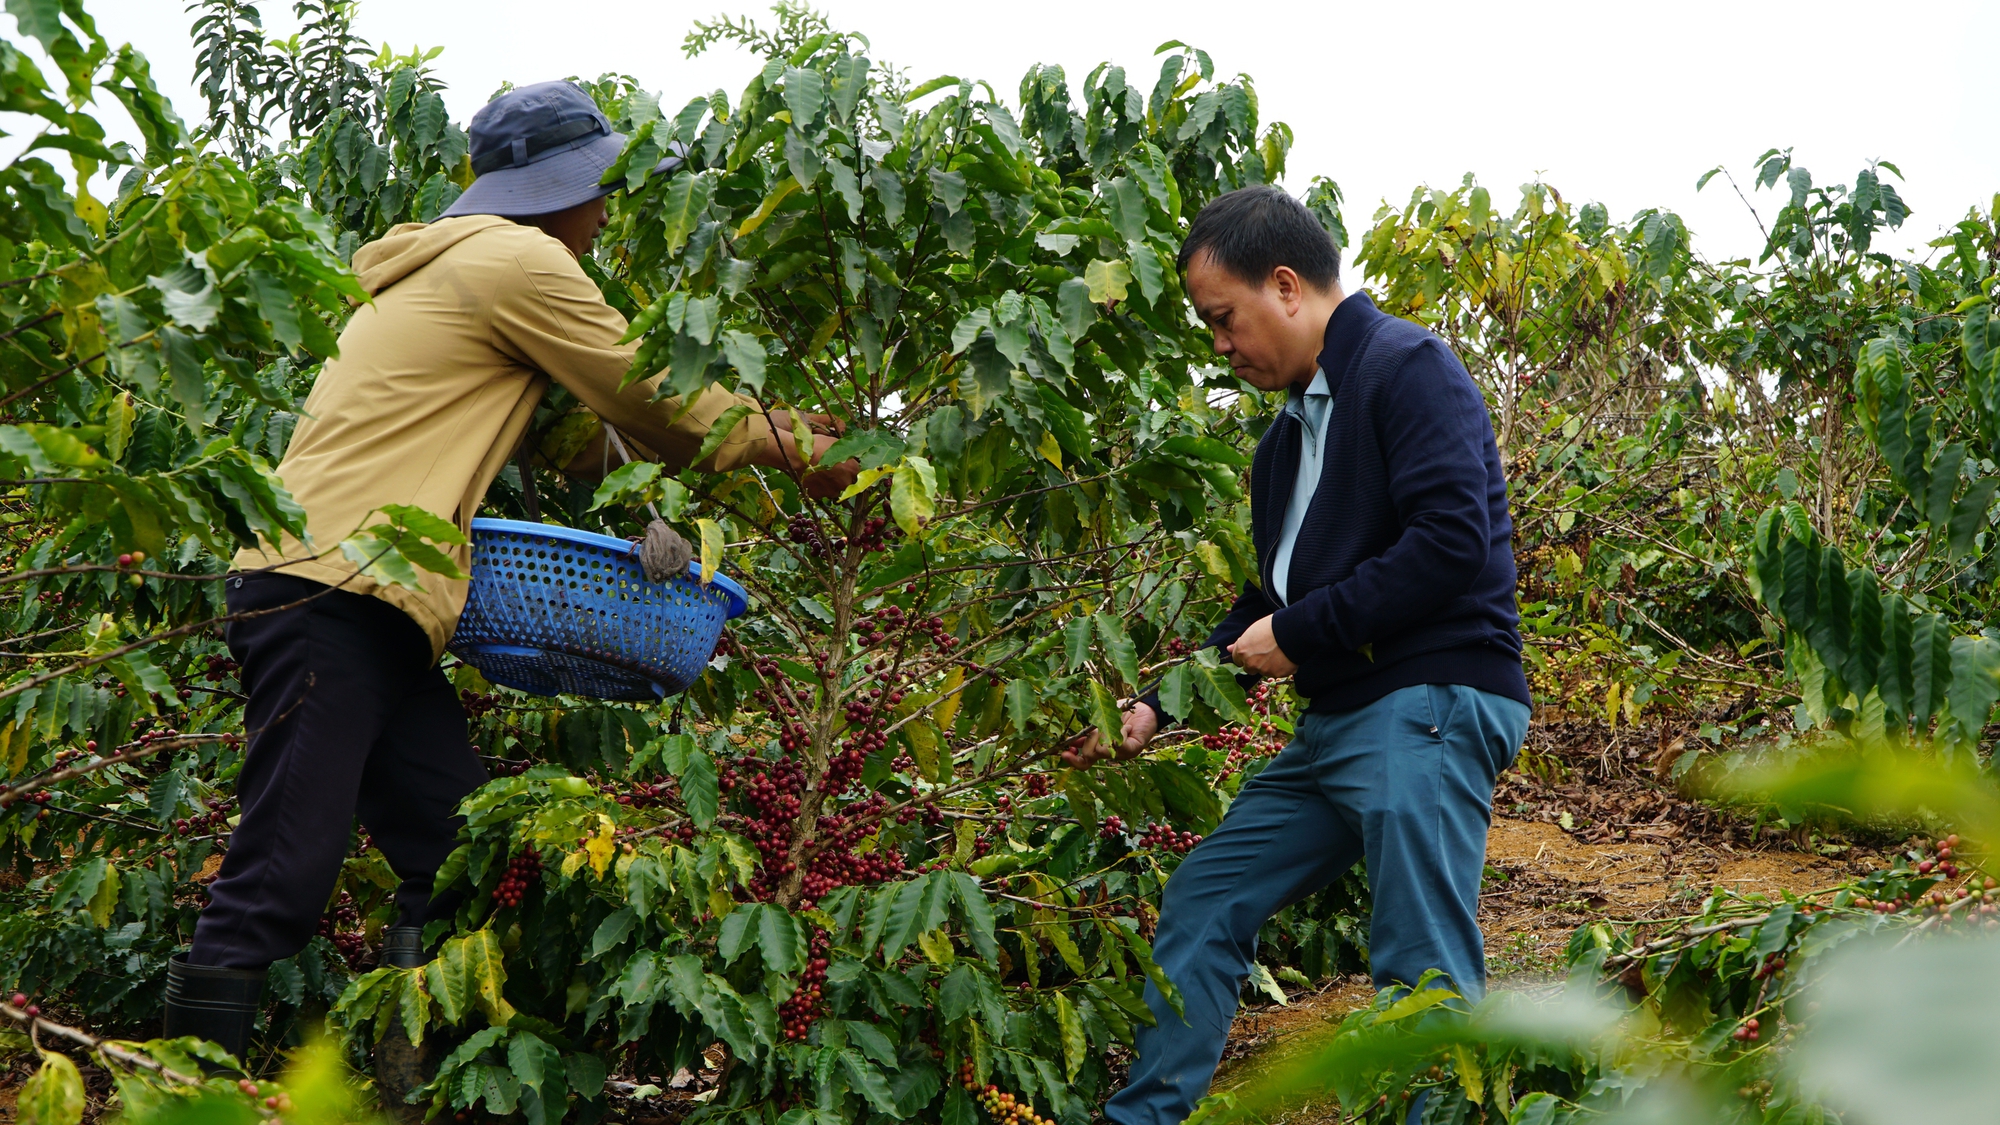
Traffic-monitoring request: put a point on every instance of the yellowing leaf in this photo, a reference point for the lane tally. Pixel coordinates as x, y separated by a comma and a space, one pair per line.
54, 1096
1468, 1073
777, 195
912, 495
604, 845
936, 946
119, 416
862, 482
1212, 560
1074, 1044
90, 210
823, 335
1050, 449
711, 550
923, 739
947, 709
106, 899
486, 967
1415, 1002
802, 437
1107, 280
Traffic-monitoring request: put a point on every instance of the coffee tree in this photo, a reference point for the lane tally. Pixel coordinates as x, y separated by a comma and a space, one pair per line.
153, 345
851, 858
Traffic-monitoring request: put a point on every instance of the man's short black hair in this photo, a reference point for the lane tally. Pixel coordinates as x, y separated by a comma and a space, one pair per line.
1254, 230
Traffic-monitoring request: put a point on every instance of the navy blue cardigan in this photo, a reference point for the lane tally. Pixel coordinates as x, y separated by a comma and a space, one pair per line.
1403, 572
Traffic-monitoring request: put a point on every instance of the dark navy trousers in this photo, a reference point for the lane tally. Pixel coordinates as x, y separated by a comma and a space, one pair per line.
1407, 783
348, 714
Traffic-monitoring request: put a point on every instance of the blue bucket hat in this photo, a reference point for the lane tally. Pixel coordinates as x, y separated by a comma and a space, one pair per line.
538, 149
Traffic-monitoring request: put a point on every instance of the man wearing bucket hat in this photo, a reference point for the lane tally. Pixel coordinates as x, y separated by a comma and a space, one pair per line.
437, 378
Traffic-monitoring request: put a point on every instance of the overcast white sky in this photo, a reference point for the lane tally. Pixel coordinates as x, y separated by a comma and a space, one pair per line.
1618, 102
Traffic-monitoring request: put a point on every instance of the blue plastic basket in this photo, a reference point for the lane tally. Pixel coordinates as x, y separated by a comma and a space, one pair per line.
556, 611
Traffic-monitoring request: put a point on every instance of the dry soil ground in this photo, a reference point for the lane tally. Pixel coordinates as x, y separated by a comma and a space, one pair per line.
1587, 829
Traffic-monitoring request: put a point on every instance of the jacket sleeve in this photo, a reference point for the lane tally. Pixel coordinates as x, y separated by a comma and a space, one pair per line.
1251, 606
557, 322
1435, 434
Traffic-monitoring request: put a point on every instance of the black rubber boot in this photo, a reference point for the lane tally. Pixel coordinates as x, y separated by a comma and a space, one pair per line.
400, 1065
403, 948
219, 1005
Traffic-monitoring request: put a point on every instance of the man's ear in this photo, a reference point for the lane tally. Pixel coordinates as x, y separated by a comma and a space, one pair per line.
1291, 289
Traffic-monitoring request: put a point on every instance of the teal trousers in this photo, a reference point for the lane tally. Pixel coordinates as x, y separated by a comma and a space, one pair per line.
1406, 783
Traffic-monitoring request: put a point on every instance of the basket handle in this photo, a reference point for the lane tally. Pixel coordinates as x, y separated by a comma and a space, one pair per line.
625, 458
528, 499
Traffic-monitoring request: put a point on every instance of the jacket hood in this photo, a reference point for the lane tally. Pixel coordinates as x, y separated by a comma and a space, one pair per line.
409, 247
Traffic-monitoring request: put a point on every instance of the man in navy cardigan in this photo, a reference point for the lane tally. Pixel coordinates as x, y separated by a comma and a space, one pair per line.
1386, 590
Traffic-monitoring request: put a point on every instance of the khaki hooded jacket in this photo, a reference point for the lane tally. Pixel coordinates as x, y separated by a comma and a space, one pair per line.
435, 384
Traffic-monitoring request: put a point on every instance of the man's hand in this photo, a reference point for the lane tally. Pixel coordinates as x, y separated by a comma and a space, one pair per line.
829, 480
1257, 651
1141, 723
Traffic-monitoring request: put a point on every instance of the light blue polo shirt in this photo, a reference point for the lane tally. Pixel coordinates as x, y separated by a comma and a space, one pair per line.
1310, 407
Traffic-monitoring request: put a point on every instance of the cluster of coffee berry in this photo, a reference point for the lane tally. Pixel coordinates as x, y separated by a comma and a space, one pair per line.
216, 819
644, 795
875, 534
1178, 646
1111, 828
932, 815
804, 530
837, 863
1035, 785
342, 925
772, 792
868, 715
36, 799
1969, 905
1746, 1032
217, 667
798, 1013
1165, 838
792, 732
477, 704
1771, 967
1942, 861
522, 871
1228, 738
876, 628
1005, 1108
1235, 762
20, 1000
1242, 744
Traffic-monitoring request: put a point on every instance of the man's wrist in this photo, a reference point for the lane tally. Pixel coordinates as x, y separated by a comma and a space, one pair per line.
1151, 703
1293, 629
